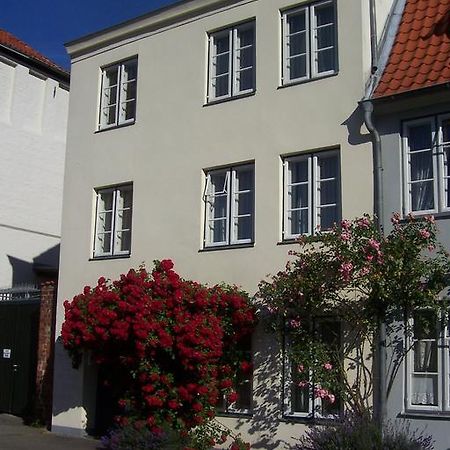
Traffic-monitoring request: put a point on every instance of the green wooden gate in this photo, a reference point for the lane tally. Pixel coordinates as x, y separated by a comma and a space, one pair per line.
19, 326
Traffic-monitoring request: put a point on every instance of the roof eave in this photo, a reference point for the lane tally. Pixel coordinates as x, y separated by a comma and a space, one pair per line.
411, 92
151, 21
51, 71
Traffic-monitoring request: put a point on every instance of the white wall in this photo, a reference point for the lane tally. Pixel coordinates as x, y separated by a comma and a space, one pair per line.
33, 121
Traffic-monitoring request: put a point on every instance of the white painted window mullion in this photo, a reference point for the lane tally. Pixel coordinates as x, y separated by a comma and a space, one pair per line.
312, 40
312, 194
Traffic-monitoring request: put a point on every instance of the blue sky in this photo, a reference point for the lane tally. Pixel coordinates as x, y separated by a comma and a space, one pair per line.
47, 24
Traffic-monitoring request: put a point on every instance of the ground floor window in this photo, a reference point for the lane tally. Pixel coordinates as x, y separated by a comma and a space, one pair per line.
428, 374
242, 384
308, 398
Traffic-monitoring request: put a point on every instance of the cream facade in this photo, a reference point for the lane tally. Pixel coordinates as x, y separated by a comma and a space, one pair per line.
177, 139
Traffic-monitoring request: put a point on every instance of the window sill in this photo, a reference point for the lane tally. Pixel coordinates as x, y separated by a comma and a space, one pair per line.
115, 127
311, 238
234, 414
229, 99
307, 80
309, 419
102, 258
420, 215
288, 241
421, 414
226, 247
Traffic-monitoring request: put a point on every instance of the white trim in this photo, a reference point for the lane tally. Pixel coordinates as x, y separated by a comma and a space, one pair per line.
230, 192
119, 118
443, 369
313, 195
233, 64
444, 174
438, 167
113, 251
311, 64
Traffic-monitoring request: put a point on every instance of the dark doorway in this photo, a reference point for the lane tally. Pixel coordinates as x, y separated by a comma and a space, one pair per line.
19, 325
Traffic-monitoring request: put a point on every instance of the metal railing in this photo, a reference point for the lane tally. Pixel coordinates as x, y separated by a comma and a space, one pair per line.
20, 292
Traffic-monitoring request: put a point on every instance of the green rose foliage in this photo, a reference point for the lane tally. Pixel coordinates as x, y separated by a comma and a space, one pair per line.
362, 276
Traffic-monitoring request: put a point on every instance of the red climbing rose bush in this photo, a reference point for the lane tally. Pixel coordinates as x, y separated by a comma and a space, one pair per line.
173, 343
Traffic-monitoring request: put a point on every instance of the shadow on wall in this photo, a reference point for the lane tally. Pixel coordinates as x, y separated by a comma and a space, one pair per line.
22, 271
43, 268
354, 124
73, 389
267, 387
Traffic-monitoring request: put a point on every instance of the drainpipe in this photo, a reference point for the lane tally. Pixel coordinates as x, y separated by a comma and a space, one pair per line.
367, 106
373, 37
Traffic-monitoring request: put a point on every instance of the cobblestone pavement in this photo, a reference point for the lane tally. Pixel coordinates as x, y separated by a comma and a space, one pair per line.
14, 435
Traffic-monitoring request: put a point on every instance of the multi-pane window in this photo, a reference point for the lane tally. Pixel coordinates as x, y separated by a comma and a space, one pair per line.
118, 94
232, 62
426, 165
113, 221
428, 363
309, 42
242, 385
311, 193
299, 398
229, 206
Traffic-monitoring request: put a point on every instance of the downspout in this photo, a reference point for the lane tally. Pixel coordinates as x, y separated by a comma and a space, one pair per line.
379, 59
373, 37
367, 106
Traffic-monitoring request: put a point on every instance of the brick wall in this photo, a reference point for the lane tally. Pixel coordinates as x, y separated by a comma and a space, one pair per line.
44, 369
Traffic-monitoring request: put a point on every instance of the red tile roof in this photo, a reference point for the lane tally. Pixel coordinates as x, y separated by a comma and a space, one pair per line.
10, 41
420, 56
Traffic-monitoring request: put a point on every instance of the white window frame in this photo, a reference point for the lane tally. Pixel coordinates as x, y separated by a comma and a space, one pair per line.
440, 171
233, 62
122, 82
231, 193
312, 70
443, 369
114, 243
313, 183
314, 404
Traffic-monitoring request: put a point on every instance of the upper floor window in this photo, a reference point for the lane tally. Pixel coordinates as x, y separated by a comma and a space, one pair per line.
118, 94
428, 364
232, 62
229, 205
113, 221
426, 165
300, 392
311, 193
309, 42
